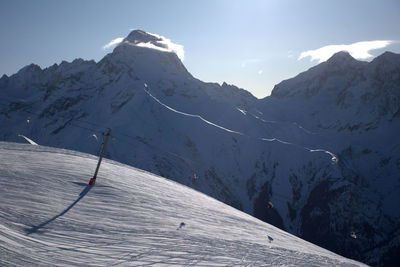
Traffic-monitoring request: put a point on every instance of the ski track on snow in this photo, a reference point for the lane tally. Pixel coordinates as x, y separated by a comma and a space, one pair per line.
129, 218
192, 115
276, 122
334, 158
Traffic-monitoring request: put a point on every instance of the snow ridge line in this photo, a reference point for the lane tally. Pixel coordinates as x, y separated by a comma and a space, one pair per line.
334, 158
29, 140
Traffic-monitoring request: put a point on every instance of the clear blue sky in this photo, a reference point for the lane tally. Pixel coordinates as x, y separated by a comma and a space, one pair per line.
253, 44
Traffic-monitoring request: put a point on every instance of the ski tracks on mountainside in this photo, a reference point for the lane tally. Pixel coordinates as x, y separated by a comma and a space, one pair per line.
334, 158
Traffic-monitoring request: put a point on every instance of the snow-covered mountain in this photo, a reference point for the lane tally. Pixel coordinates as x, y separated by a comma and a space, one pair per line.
353, 109
323, 149
50, 217
358, 95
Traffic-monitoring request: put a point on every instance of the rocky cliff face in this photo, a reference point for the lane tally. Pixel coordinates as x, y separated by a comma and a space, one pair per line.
318, 158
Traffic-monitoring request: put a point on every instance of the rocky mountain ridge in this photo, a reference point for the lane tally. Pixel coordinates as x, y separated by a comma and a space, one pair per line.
367, 92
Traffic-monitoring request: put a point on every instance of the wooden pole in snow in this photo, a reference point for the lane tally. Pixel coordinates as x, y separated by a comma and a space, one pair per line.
107, 135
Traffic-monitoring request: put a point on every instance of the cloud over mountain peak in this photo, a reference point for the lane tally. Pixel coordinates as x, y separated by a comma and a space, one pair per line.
149, 40
358, 50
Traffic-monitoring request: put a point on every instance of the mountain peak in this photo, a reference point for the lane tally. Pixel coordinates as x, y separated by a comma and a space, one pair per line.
31, 68
341, 57
387, 56
136, 37
154, 41
150, 55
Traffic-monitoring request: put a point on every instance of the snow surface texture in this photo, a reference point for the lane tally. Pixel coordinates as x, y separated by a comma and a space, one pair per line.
49, 216
343, 109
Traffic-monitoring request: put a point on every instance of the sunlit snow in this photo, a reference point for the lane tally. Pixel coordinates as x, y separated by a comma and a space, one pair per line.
49, 216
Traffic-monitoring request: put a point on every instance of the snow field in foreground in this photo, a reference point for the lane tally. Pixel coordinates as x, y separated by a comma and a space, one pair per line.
48, 216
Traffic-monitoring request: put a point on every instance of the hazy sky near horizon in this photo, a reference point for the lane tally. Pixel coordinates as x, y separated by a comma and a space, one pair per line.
253, 44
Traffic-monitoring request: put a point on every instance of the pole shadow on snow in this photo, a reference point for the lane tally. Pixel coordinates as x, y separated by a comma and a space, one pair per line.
34, 229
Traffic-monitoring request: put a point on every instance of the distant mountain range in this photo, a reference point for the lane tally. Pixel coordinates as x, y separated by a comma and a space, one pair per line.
319, 157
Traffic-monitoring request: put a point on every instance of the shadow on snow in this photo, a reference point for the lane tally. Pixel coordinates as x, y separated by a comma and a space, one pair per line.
34, 229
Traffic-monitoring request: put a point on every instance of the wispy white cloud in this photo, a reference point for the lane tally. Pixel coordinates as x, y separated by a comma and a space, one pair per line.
167, 45
260, 72
113, 43
359, 50
290, 54
171, 46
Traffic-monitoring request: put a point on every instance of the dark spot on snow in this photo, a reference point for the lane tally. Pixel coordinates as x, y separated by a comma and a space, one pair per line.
181, 225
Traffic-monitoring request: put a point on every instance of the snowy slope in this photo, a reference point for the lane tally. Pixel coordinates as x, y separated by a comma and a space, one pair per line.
130, 218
